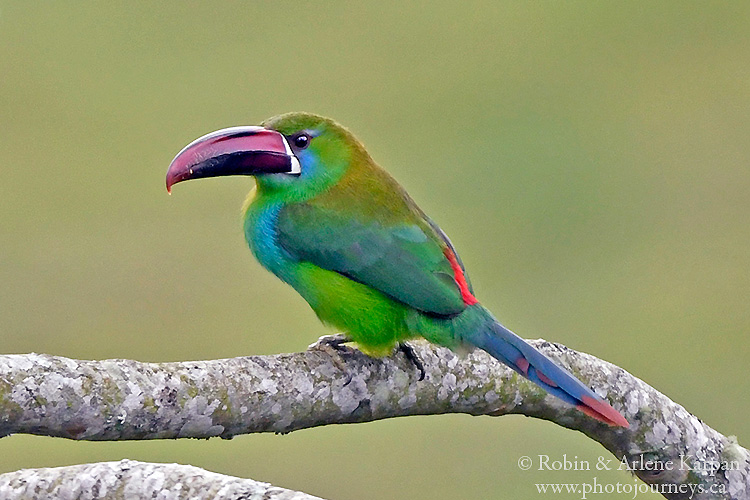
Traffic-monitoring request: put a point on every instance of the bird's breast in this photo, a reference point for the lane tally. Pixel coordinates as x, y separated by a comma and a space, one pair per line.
262, 237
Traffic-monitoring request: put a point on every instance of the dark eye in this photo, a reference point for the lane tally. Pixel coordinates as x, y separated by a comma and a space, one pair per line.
302, 141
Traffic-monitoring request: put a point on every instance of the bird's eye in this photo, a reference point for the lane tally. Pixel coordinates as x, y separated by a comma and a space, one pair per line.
302, 141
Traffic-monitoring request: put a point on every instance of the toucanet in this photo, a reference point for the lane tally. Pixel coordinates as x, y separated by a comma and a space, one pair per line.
330, 222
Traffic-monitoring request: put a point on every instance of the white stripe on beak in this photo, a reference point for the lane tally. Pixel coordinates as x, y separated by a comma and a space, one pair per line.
296, 168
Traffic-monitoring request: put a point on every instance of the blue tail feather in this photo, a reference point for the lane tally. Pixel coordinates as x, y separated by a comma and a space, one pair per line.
525, 359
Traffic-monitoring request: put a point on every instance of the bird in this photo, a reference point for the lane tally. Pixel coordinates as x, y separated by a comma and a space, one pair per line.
326, 219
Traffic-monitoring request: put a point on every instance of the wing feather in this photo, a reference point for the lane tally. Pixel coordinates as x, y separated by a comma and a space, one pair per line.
405, 261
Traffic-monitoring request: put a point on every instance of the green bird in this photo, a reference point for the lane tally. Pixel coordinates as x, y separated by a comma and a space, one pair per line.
327, 220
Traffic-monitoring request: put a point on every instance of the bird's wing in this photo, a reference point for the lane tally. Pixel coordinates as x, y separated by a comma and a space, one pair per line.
409, 263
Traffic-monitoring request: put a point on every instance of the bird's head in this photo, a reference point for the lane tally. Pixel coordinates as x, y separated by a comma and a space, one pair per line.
296, 154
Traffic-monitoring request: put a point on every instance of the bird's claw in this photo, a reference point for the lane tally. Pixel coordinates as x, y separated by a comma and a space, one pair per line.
411, 355
335, 341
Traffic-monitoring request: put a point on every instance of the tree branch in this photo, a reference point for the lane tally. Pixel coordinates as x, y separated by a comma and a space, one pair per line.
129, 479
122, 399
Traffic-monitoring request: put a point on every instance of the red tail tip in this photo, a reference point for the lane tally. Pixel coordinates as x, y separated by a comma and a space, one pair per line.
603, 412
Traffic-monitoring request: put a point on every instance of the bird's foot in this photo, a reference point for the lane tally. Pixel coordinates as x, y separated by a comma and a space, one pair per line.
335, 341
412, 356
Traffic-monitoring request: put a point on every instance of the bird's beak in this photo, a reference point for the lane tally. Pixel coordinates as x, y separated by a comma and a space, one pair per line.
233, 151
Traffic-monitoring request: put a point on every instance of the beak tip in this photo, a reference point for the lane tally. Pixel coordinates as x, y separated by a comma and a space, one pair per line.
173, 176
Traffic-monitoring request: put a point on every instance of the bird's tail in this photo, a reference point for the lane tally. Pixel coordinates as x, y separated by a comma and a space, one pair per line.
512, 350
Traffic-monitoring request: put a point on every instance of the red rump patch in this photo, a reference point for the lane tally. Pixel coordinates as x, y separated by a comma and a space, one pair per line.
458, 275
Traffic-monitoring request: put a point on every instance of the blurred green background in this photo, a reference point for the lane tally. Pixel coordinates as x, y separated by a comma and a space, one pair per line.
590, 161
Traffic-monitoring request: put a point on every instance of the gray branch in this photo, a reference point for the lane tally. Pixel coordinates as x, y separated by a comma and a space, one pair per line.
128, 479
666, 447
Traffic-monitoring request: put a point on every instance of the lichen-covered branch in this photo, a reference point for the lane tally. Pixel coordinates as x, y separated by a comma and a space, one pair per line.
122, 399
128, 479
